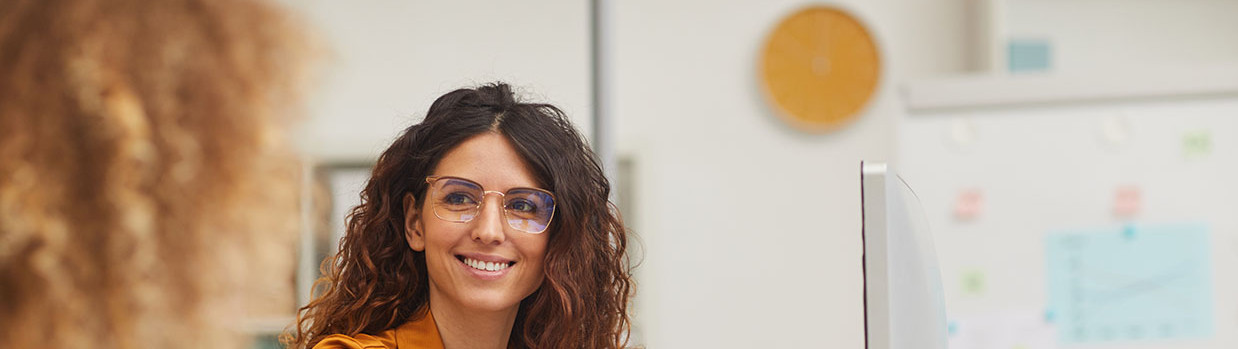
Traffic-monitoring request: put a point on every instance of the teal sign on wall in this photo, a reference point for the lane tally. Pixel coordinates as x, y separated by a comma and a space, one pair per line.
1028, 55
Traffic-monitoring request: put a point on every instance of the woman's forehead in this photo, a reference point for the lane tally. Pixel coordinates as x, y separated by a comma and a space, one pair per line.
490, 160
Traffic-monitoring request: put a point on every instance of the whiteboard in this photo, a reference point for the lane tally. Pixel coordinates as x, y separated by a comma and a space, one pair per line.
1045, 167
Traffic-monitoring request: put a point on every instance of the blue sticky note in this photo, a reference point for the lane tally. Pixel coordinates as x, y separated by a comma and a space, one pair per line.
1028, 55
1112, 285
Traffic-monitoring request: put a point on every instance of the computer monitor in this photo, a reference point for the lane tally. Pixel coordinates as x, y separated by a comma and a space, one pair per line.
903, 303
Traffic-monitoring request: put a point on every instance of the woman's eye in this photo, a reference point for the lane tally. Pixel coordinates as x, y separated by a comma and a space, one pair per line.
458, 199
521, 206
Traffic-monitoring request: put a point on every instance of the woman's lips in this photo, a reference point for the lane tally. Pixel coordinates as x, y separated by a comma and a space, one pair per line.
486, 267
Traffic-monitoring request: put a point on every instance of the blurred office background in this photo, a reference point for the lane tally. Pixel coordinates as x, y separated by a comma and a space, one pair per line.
1075, 159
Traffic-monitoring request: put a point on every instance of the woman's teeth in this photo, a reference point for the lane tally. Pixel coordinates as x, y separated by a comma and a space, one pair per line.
487, 266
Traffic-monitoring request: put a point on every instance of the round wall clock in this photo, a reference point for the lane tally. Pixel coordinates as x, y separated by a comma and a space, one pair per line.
820, 67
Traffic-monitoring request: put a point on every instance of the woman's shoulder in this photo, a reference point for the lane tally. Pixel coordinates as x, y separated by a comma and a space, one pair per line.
386, 339
420, 332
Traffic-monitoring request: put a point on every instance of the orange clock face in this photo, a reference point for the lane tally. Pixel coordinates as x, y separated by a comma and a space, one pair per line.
820, 67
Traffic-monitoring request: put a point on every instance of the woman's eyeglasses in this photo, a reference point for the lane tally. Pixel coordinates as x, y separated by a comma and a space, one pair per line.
459, 200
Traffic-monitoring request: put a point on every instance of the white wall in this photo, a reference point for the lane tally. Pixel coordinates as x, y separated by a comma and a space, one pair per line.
751, 229
391, 59
1128, 34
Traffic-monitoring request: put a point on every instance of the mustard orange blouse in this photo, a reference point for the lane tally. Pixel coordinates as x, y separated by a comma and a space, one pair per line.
415, 334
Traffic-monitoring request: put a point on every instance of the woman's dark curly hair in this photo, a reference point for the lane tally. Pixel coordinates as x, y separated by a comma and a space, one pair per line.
376, 282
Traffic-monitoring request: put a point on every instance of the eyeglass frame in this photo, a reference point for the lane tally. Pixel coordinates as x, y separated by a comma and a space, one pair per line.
482, 201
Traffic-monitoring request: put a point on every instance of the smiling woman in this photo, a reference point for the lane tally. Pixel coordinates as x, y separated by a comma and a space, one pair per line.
487, 225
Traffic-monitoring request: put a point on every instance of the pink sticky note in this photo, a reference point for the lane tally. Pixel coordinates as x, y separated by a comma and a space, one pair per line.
1127, 201
968, 205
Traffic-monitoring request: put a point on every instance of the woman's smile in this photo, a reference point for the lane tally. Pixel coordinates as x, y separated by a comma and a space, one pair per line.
485, 267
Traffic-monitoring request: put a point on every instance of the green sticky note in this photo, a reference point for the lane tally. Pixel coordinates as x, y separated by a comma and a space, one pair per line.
973, 282
1197, 144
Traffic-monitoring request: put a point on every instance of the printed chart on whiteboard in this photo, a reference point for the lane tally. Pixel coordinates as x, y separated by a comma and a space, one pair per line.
1131, 283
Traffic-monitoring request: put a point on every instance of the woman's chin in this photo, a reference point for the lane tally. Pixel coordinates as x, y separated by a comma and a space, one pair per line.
490, 302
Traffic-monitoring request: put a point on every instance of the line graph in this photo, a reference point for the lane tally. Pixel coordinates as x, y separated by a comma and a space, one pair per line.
1130, 283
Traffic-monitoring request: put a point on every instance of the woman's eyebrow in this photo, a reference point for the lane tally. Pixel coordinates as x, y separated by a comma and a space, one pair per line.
461, 180
472, 183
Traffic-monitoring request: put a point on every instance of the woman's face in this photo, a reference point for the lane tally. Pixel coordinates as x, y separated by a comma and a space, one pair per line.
454, 250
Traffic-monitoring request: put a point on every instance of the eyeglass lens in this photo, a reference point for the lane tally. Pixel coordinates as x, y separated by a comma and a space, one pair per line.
459, 200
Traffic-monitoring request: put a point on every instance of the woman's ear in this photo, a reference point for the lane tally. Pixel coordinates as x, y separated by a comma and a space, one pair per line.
413, 229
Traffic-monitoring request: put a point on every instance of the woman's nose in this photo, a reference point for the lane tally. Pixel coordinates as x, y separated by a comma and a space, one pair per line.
489, 227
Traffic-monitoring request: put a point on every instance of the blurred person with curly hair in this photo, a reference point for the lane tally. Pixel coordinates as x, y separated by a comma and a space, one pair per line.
487, 225
143, 169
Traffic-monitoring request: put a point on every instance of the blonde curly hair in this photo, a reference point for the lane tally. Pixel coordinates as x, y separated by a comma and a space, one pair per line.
144, 170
